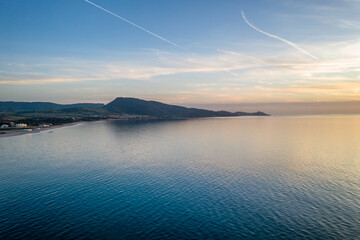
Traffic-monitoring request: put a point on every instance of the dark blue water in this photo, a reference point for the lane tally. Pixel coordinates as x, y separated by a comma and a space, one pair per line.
218, 178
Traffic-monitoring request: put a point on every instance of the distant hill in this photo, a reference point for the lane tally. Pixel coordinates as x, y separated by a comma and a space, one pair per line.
31, 106
161, 110
36, 112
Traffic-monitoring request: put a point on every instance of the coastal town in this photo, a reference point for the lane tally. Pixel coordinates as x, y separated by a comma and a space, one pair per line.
10, 128
18, 128
12, 125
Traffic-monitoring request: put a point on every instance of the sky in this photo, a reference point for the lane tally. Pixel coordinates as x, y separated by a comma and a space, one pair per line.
279, 56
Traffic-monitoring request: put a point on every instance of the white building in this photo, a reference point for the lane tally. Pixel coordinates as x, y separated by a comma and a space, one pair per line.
4, 126
21, 125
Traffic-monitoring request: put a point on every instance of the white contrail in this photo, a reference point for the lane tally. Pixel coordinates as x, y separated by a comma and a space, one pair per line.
135, 25
149, 32
278, 38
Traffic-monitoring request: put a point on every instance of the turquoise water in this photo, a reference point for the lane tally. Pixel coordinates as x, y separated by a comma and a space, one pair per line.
215, 178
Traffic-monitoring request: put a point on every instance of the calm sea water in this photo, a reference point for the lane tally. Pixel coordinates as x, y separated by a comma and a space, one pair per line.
215, 178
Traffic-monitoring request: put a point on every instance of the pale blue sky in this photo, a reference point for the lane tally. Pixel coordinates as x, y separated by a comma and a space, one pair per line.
70, 51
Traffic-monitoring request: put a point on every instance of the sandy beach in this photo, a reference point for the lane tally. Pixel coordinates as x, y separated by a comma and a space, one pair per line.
12, 133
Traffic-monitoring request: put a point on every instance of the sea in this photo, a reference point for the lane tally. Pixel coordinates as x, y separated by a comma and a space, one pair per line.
279, 177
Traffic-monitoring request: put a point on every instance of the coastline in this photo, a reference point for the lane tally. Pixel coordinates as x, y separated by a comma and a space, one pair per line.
13, 133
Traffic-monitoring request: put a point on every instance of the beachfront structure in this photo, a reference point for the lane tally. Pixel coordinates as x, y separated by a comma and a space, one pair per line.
4, 126
21, 125
44, 125
27, 130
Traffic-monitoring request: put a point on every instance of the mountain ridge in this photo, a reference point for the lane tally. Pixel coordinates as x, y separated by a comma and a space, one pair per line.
128, 105
119, 108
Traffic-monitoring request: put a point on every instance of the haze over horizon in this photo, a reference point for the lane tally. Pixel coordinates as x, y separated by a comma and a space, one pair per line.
281, 57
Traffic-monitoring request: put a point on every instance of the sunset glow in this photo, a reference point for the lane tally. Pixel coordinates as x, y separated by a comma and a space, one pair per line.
75, 49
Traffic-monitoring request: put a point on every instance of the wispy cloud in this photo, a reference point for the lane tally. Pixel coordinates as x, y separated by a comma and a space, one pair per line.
349, 24
278, 38
185, 78
342, 63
